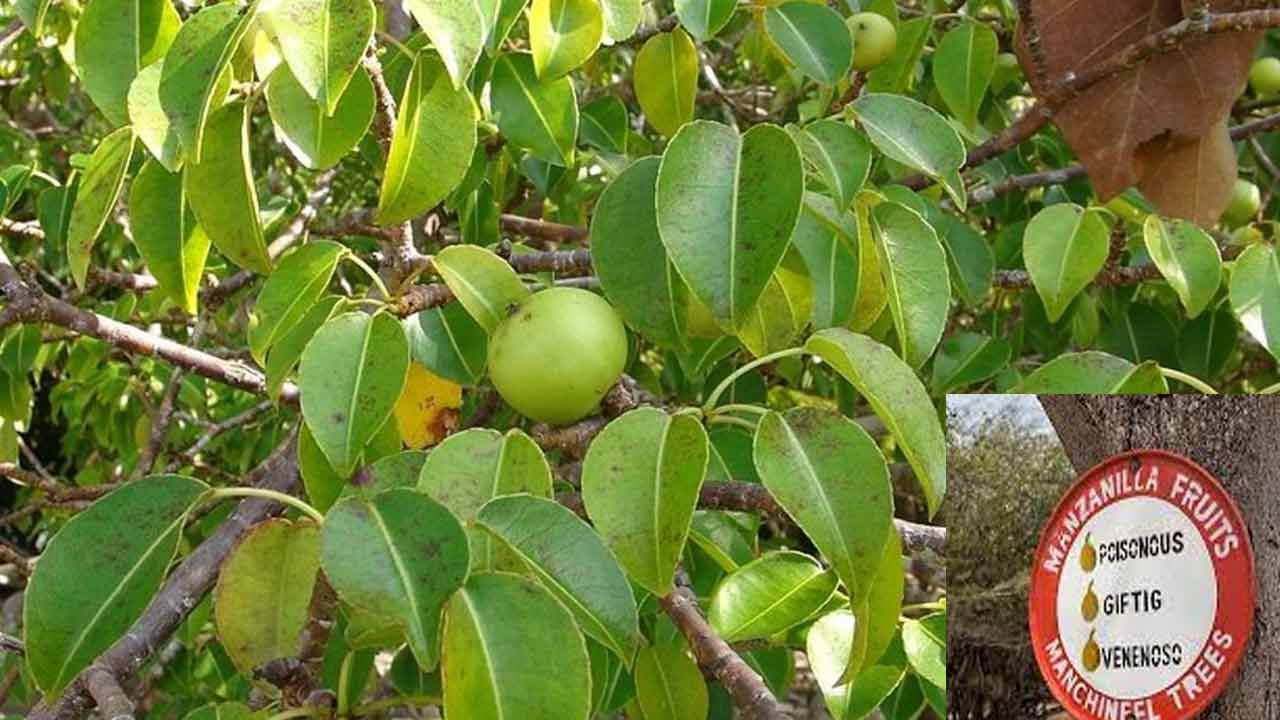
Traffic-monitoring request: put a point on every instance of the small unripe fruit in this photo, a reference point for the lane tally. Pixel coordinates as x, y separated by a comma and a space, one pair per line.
874, 39
1247, 235
1264, 76
557, 354
1006, 61
1246, 200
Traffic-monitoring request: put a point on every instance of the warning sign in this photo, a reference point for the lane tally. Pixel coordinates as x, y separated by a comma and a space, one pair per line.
1142, 591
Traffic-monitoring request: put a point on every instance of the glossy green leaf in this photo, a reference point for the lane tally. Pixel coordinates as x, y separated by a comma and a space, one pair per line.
704, 18
53, 209
289, 293
840, 155
1088, 373
221, 193
263, 591
400, 555
448, 342
872, 295
474, 466
910, 132
640, 482
925, 642
323, 484
98, 574
165, 231
669, 685
457, 30
563, 34
665, 76
605, 124
321, 42
484, 283
828, 646
571, 561
827, 240
1187, 257
1207, 343
813, 37
503, 634
1064, 248
967, 358
350, 376
196, 74
897, 73
287, 349
95, 199
539, 116
150, 122
962, 68
20, 348
969, 257
828, 474
884, 603
621, 18
436, 128
769, 595
727, 205
115, 39
896, 396
783, 310
317, 139
914, 267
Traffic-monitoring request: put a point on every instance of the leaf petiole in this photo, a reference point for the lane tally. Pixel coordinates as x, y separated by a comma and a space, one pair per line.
285, 498
1189, 380
373, 275
720, 389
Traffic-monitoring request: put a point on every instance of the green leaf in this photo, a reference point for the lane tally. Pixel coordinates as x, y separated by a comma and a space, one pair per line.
669, 685
897, 73
605, 124
448, 342
1064, 248
114, 40
914, 267
967, 358
283, 356
74, 610
289, 293
813, 37
827, 240
962, 68
884, 603
768, 595
569, 559
621, 18
502, 632
704, 18
484, 283
1088, 373
563, 34
665, 76
96, 198
323, 484
457, 31
474, 466
20, 348
631, 261
783, 309
435, 127
196, 74
1187, 257
640, 482
321, 42
221, 711
828, 646
150, 122
841, 156
316, 139
828, 474
896, 396
1207, 343
969, 257
925, 642
539, 116
53, 209
165, 231
263, 591
400, 555
350, 377
911, 133
220, 190
727, 205
33, 13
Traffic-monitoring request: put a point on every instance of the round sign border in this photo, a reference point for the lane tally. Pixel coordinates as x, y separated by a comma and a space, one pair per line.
1232, 665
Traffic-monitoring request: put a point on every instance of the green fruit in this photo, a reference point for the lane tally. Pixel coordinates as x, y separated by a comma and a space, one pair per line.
874, 39
1006, 61
1245, 202
557, 353
1264, 76
1247, 235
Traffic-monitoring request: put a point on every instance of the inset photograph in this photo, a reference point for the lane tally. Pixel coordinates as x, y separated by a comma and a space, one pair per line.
1113, 556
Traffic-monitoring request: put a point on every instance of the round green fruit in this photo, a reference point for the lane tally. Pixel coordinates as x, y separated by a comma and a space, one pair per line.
874, 39
1264, 76
1245, 202
557, 353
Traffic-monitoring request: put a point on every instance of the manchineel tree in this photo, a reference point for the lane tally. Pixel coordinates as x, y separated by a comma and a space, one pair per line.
522, 335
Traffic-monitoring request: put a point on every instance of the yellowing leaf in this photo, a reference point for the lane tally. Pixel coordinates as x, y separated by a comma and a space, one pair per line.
427, 410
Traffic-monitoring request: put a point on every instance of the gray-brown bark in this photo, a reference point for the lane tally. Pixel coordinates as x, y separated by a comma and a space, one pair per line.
1235, 439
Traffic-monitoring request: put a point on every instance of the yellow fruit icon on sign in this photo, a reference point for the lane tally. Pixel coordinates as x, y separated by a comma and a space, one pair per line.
1088, 556
1089, 608
1092, 657
427, 409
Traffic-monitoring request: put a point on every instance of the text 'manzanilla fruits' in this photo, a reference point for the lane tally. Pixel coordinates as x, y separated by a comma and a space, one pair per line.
557, 353
874, 39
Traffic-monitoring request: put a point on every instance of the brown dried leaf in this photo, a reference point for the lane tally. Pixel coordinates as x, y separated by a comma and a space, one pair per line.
1189, 179
1174, 97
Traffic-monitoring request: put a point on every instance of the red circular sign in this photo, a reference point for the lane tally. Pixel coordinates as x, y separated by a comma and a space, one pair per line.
1142, 591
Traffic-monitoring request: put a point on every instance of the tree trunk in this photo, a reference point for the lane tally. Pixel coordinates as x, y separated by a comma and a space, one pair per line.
1237, 439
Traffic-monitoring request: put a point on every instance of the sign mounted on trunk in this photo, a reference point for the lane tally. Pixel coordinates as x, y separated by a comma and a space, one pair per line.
1142, 591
